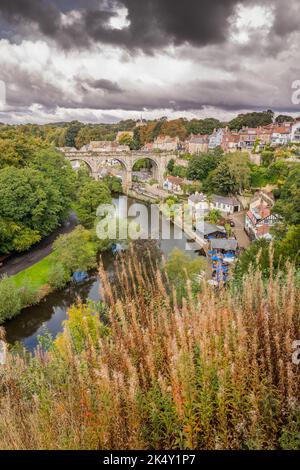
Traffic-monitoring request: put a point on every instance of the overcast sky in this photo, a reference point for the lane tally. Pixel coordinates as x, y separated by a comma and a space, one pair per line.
105, 60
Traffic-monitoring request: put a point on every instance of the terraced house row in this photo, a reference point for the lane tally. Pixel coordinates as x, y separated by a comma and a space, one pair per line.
249, 139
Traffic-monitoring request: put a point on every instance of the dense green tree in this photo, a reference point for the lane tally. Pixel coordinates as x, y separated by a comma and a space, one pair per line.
262, 255
283, 118
254, 119
54, 166
170, 166
259, 176
277, 172
201, 165
19, 149
288, 205
179, 171
113, 183
30, 201
76, 250
91, 195
231, 176
71, 134
16, 237
156, 130
136, 141
203, 126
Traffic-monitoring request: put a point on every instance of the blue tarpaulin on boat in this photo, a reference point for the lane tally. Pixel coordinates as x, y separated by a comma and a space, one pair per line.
80, 276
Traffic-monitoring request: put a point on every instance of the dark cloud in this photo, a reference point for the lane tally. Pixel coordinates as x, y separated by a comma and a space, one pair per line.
219, 71
42, 13
106, 85
152, 23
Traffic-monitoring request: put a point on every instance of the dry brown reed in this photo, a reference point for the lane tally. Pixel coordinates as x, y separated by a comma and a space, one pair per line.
214, 373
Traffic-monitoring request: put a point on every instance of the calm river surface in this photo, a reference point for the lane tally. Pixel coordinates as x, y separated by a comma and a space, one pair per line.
52, 311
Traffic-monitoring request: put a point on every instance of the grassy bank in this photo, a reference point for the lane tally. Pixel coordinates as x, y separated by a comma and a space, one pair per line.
214, 373
37, 275
75, 251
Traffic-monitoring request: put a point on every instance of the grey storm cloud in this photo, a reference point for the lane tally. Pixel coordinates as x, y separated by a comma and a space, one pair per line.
152, 23
105, 85
199, 30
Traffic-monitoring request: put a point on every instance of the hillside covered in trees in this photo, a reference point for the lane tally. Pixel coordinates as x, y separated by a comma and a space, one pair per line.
38, 187
76, 134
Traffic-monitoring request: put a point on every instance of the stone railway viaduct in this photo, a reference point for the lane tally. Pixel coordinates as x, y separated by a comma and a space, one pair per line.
96, 161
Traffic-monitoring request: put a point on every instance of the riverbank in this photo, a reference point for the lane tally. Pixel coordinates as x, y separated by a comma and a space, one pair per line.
20, 262
50, 313
72, 252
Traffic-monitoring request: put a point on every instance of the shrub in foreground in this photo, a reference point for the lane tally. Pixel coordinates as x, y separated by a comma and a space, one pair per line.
214, 373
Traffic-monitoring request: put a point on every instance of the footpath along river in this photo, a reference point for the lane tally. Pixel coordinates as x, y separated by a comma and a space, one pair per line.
50, 313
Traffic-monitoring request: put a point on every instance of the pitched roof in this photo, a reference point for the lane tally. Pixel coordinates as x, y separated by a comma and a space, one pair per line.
232, 201
175, 180
223, 244
207, 229
198, 197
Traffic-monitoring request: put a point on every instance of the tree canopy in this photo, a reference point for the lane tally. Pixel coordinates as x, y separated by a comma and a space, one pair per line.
254, 119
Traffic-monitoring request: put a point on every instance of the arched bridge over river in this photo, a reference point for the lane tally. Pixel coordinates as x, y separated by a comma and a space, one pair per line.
97, 160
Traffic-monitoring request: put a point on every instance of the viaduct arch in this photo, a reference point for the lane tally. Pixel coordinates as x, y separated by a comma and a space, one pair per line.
96, 160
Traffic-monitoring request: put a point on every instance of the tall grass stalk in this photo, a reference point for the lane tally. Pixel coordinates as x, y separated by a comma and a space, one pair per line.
214, 373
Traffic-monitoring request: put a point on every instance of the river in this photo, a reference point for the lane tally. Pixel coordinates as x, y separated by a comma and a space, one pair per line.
50, 313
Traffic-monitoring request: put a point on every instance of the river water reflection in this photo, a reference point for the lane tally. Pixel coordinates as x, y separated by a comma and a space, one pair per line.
52, 311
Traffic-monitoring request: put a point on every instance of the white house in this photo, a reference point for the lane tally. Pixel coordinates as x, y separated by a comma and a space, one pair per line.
173, 184
198, 203
281, 135
216, 139
229, 205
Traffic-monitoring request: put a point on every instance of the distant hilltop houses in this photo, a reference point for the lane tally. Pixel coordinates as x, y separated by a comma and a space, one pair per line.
246, 139
250, 139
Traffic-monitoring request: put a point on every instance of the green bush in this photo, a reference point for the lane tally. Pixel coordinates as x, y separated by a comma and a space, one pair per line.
10, 304
58, 276
28, 295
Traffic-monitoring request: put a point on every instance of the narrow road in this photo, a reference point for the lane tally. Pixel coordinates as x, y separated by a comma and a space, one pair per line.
239, 231
18, 262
